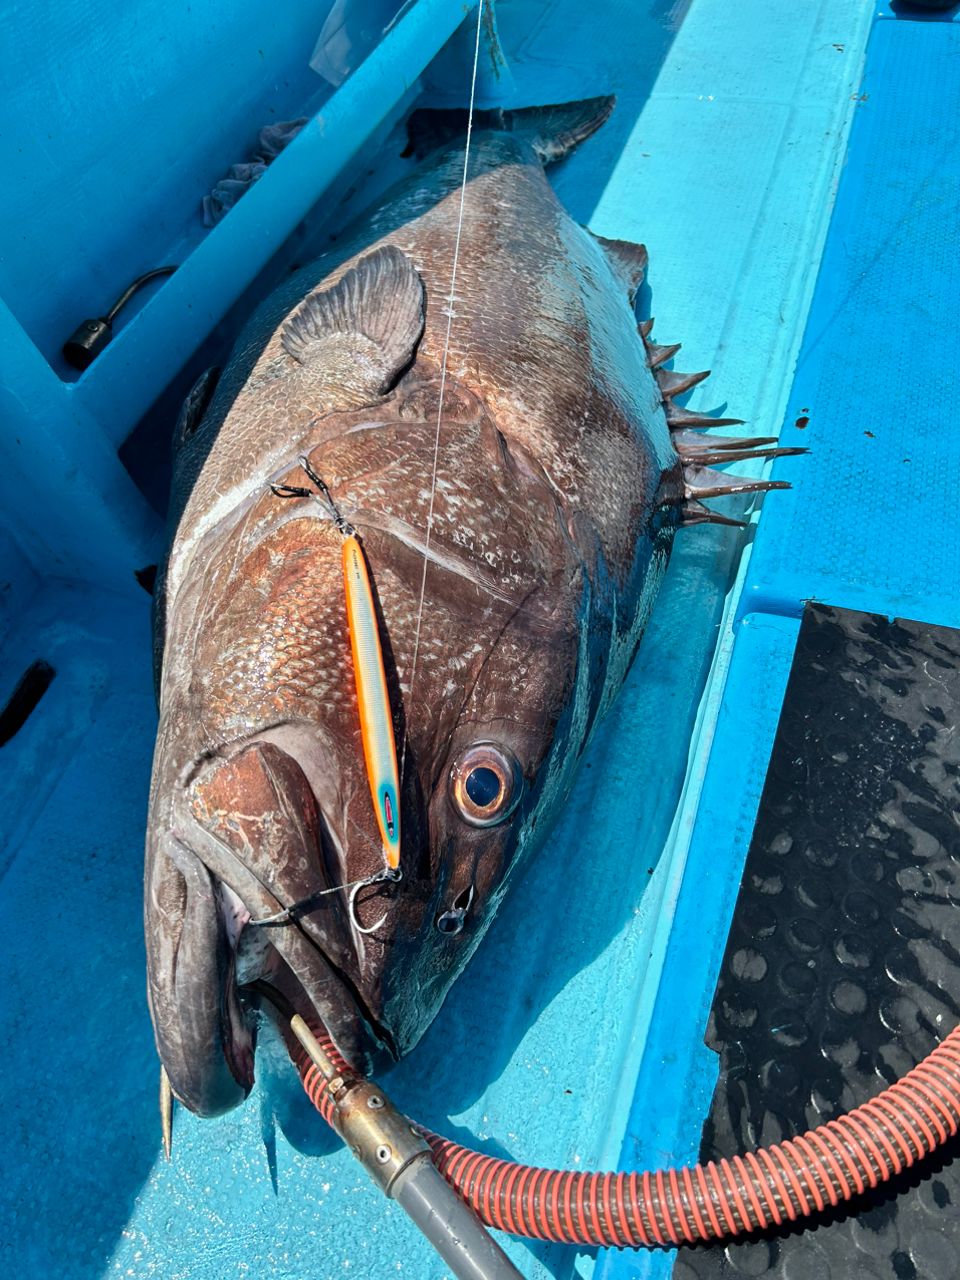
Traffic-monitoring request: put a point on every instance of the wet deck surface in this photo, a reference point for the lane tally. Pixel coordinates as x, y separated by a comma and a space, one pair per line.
842, 967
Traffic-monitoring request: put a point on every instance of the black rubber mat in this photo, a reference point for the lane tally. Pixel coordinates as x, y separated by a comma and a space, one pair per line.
842, 967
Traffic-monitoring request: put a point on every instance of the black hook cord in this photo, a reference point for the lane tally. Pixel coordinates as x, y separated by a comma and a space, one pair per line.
89, 339
344, 526
131, 289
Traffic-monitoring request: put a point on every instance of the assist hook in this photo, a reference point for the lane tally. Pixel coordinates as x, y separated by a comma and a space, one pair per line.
391, 874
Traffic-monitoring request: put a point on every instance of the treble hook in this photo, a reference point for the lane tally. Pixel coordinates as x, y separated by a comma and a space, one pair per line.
388, 873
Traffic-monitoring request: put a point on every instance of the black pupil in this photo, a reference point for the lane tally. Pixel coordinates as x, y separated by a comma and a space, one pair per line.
483, 787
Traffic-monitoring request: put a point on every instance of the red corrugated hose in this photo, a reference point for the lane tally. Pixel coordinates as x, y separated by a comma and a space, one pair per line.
763, 1188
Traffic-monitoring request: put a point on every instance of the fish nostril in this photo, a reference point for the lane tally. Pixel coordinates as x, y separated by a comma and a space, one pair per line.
451, 921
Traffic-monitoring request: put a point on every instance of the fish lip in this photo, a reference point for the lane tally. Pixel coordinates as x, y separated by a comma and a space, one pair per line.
207, 1060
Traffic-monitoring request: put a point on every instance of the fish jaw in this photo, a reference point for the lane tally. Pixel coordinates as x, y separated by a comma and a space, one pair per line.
235, 842
245, 839
204, 1040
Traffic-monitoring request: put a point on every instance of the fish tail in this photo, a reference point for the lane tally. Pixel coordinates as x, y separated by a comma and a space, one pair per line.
552, 131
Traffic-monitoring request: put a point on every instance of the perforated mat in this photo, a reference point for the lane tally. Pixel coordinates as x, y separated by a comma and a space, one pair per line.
842, 968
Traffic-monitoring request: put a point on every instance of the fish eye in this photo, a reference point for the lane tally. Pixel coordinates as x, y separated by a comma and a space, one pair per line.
485, 784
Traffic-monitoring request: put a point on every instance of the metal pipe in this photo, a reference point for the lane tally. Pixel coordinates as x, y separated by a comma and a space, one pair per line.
450, 1224
400, 1161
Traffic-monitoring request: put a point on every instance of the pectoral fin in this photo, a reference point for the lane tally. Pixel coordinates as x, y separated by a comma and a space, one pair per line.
354, 339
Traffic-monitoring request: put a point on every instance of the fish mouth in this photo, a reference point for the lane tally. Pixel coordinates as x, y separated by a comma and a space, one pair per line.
279, 962
237, 1036
206, 993
279, 993
252, 820
232, 851
275, 959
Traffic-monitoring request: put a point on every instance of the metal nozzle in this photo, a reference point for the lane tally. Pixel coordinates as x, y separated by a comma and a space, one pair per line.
379, 1135
400, 1162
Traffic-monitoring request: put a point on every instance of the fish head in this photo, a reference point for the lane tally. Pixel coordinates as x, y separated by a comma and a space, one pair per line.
265, 865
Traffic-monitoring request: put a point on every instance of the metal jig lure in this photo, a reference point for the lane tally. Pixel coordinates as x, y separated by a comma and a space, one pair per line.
373, 699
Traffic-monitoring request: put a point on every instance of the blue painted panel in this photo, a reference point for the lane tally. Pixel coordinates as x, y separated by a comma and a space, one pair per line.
864, 525
110, 147
875, 389
124, 380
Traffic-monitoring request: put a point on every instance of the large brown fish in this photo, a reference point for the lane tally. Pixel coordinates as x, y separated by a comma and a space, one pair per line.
562, 471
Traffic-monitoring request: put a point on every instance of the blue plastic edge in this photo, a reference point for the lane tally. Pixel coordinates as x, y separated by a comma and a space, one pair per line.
678, 1073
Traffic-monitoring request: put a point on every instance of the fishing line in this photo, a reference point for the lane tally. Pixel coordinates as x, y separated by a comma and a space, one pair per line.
295, 909
375, 735
443, 375
408, 536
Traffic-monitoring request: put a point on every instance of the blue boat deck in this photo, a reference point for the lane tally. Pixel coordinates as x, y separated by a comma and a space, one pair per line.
866, 525
575, 1037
